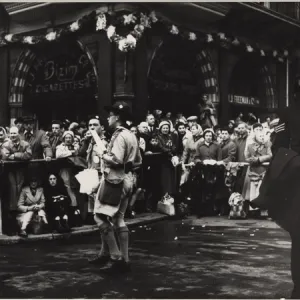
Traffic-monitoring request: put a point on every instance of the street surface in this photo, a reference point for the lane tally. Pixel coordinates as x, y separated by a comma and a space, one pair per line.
171, 259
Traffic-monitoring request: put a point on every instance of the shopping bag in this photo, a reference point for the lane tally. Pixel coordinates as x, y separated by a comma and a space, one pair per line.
166, 205
236, 203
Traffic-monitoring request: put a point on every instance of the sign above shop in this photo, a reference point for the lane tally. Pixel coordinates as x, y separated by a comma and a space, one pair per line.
244, 100
61, 73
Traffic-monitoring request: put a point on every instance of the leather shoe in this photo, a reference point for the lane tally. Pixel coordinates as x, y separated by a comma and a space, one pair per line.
100, 261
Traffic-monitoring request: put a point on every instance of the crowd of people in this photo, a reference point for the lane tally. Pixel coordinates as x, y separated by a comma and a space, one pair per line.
172, 150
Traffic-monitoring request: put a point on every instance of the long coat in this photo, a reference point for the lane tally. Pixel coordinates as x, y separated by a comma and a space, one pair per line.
189, 151
229, 151
27, 199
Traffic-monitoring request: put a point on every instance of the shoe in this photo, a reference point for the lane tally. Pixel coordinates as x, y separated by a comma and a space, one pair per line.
120, 267
65, 225
23, 233
100, 261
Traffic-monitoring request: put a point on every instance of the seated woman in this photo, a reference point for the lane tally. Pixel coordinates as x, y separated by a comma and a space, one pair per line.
57, 204
31, 202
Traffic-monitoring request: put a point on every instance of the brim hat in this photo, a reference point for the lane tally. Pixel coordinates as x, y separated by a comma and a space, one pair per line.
68, 132
208, 130
19, 120
28, 120
192, 119
163, 123
120, 108
231, 122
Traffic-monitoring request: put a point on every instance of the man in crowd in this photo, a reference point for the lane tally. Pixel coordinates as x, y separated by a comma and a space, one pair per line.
37, 140
15, 149
90, 151
152, 129
55, 138
241, 141
123, 150
192, 121
228, 146
19, 122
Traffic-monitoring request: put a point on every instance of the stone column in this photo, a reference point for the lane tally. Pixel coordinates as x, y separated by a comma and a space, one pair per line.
104, 66
4, 85
227, 61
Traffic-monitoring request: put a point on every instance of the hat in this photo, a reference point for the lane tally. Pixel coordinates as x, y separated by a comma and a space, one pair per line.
19, 120
232, 122
192, 119
68, 132
28, 119
256, 125
208, 130
120, 108
163, 123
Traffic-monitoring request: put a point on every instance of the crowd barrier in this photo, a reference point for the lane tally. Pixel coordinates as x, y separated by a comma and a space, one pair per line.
149, 161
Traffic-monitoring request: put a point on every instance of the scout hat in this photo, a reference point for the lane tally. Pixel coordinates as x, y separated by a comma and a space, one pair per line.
120, 108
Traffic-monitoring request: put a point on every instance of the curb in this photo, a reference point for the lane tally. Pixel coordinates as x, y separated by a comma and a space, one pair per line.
86, 230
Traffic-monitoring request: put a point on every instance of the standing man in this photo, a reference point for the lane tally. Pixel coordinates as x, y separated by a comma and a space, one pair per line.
55, 138
15, 150
37, 140
116, 188
152, 128
228, 146
90, 151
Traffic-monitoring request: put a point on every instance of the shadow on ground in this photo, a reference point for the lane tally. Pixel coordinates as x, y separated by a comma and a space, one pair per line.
170, 259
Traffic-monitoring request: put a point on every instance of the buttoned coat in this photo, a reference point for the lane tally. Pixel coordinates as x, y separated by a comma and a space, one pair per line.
229, 151
20, 152
27, 199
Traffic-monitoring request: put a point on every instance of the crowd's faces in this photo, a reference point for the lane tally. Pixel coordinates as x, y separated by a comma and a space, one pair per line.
230, 125
151, 120
94, 124
14, 134
20, 125
33, 184
133, 130
168, 115
242, 129
112, 120
218, 132
165, 129
52, 180
208, 137
2, 136
194, 129
259, 135
29, 126
143, 128
181, 130
225, 135
68, 140
56, 129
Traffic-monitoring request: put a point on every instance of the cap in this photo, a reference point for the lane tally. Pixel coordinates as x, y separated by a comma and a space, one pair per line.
192, 119
121, 108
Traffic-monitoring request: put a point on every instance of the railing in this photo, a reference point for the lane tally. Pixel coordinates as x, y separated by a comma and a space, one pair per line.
150, 159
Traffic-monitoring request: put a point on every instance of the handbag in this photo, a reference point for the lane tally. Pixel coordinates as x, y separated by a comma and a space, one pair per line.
110, 193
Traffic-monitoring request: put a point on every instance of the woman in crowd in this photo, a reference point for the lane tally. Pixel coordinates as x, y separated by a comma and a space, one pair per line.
189, 152
57, 204
31, 202
183, 135
257, 152
68, 149
167, 145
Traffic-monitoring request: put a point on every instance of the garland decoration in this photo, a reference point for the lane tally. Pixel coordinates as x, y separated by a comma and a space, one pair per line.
133, 26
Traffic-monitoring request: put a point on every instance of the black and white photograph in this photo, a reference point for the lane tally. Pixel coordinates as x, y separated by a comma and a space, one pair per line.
149, 150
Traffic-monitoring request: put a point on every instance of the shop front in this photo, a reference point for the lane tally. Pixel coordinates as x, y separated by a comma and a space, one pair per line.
251, 89
54, 82
179, 74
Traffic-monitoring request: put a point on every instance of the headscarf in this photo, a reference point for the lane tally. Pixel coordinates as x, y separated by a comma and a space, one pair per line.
68, 132
163, 123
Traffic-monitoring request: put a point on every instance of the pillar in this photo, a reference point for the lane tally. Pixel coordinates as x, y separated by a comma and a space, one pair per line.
227, 62
4, 85
104, 66
141, 102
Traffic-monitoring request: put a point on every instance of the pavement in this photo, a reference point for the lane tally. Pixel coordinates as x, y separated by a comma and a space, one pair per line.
193, 258
141, 219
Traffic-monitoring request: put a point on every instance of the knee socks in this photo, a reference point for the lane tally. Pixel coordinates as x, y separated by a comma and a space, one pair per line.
108, 238
123, 236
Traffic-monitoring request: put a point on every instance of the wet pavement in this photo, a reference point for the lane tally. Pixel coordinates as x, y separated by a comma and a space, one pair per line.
171, 259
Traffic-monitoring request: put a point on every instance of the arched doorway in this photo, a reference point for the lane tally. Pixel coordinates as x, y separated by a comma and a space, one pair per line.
251, 89
179, 74
55, 81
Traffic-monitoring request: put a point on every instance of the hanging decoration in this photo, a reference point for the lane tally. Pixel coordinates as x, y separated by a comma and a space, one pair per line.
134, 25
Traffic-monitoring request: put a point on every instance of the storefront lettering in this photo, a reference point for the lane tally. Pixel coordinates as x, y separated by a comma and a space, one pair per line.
243, 100
174, 87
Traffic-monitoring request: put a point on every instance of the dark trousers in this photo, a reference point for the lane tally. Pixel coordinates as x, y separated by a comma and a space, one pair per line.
295, 265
